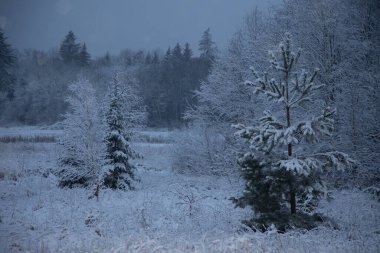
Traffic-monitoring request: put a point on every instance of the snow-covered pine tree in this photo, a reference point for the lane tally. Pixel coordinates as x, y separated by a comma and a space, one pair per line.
83, 56
207, 46
281, 169
7, 60
69, 49
81, 147
119, 172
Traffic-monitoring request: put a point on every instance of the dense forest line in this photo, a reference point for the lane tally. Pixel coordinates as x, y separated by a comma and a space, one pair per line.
37, 81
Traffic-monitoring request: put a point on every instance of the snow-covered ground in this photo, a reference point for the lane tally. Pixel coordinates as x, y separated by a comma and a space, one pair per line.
168, 212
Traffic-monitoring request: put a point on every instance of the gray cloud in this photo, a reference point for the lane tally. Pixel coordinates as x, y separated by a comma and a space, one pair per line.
118, 24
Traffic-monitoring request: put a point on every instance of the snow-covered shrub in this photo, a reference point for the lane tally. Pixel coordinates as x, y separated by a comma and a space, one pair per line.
133, 106
204, 149
285, 161
81, 148
222, 101
375, 191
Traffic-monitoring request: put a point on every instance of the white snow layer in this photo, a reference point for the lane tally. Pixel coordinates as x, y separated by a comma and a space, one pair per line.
167, 212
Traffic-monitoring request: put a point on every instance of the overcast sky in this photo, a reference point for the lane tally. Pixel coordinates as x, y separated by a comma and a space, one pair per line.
113, 25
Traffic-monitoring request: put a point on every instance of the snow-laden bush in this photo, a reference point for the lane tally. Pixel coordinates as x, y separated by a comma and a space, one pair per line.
81, 148
204, 149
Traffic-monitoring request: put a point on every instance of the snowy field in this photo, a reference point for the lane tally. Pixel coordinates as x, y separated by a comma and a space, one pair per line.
168, 212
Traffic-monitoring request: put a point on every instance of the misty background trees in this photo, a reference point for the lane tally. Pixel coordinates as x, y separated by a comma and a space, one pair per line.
168, 85
166, 82
7, 60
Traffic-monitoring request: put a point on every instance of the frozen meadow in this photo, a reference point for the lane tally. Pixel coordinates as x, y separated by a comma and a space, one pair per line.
167, 212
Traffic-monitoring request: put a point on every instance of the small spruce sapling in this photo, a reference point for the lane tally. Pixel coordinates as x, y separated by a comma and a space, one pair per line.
280, 170
120, 173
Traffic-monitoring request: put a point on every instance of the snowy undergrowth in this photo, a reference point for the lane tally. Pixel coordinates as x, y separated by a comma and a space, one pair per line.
168, 212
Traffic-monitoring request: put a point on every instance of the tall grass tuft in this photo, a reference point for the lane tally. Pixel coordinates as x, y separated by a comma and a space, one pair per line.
20, 138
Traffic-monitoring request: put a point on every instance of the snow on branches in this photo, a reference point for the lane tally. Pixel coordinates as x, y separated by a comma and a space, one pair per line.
302, 84
120, 173
81, 146
94, 149
282, 161
271, 133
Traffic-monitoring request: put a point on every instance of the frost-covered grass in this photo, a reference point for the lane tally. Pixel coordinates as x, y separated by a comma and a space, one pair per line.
19, 138
151, 136
28, 134
29, 131
168, 212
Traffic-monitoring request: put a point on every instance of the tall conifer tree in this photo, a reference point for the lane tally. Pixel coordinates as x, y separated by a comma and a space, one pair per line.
84, 56
207, 46
120, 173
7, 60
282, 167
70, 50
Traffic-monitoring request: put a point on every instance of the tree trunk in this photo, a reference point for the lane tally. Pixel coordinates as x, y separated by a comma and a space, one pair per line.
288, 124
292, 202
291, 187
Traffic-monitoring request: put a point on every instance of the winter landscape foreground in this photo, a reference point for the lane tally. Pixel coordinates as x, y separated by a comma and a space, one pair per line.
167, 212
